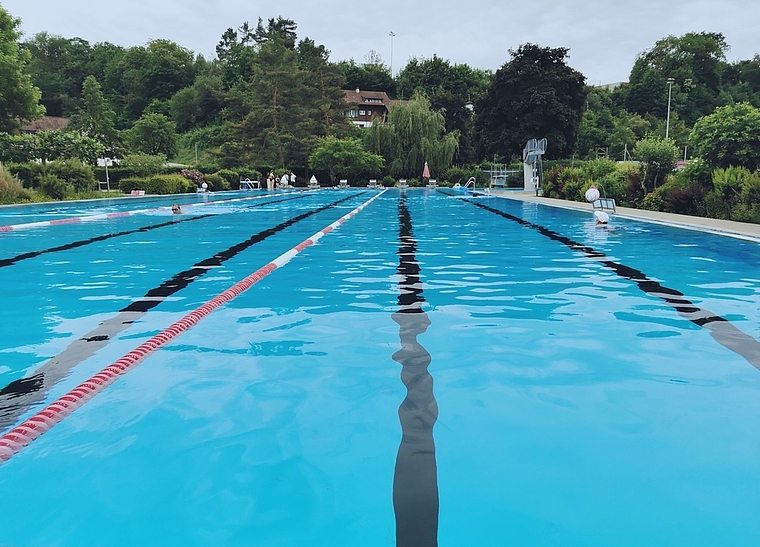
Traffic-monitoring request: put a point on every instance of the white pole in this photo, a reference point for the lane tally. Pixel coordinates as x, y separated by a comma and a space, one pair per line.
391, 34
667, 123
108, 181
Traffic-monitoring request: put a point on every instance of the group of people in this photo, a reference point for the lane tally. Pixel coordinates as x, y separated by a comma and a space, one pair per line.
286, 181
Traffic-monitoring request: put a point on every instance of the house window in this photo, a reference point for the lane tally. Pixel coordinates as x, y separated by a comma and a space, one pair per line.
361, 113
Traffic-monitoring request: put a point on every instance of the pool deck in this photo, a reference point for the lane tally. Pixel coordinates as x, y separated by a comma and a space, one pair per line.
742, 230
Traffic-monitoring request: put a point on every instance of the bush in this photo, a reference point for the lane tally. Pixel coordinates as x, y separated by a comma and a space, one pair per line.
160, 184
73, 172
28, 174
168, 184
388, 181
215, 182
716, 207
80, 177
128, 184
144, 165
11, 190
746, 213
686, 200
231, 177
652, 202
570, 182
54, 187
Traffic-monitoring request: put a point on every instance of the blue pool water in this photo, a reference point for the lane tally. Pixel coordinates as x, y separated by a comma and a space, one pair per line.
546, 391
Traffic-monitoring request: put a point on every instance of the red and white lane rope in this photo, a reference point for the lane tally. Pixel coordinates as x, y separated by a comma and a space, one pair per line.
16, 439
106, 216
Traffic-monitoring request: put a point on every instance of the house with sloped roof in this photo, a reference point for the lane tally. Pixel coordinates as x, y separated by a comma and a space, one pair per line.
46, 123
365, 107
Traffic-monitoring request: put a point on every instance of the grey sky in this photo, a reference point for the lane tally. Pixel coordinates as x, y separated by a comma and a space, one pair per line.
604, 36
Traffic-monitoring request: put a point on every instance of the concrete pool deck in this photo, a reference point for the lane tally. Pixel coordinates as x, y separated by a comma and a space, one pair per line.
732, 228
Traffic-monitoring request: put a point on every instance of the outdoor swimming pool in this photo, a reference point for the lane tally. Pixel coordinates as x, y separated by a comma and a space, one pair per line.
438, 370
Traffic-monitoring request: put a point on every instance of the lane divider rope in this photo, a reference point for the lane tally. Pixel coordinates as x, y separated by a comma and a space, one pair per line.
107, 216
21, 436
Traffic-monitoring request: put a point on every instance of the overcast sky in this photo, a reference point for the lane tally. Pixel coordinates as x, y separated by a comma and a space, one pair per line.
604, 36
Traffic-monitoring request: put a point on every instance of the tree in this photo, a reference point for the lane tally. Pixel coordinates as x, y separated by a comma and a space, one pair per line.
741, 82
154, 72
658, 157
153, 134
200, 104
95, 117
431, 76
345, 157
144, 165
53, 145
19, 98
58, 66
373, 75
694, 61
535, 95
293, 97
730, 136
451, 90
413, 134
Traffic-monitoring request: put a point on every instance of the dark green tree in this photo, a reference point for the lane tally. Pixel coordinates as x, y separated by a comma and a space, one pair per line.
372, 75
535, 95
344, 157
95, 118
433, 75
741, 82
293, 97
58, 66
153, 134
658, 158
154, 72
200, 104
730, 136
19, 98
695, 61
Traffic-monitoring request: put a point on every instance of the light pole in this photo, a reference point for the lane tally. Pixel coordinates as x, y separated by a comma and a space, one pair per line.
391, 34
670, 92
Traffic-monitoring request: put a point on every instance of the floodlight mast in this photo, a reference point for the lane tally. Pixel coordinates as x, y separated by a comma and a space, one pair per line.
670, 93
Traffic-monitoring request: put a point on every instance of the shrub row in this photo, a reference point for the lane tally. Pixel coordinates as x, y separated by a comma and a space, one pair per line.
158, 184
63, 177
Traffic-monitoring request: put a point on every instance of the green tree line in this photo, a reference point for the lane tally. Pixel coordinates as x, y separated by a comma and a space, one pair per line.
270, 100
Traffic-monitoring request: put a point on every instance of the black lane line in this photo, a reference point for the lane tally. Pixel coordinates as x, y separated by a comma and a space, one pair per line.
415, 480
19, 395
723, 331
96, 239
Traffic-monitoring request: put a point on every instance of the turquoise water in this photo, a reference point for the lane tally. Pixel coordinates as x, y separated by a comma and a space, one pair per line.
573, 407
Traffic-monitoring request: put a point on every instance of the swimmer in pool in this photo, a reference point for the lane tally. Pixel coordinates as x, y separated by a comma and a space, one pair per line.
601, 218
176, 210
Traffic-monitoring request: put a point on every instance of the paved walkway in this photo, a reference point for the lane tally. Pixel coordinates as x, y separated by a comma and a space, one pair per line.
743, 230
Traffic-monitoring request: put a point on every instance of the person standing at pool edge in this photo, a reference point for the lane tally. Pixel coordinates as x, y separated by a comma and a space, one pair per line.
284, 181
270, 181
